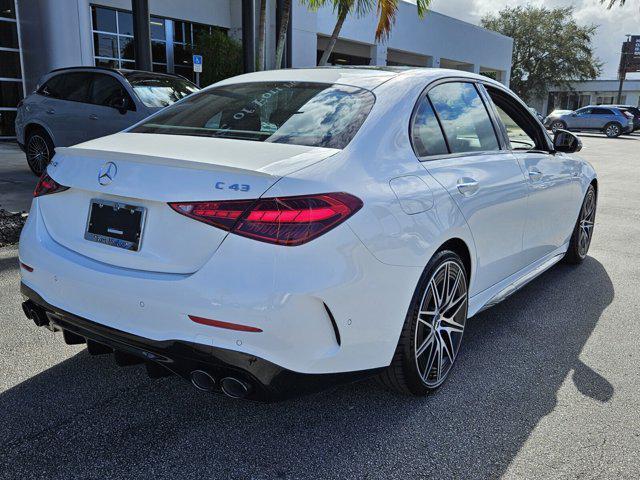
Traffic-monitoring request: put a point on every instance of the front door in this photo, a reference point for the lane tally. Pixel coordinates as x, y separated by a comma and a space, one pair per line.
104, 115
581, 120
486, 182
553, 180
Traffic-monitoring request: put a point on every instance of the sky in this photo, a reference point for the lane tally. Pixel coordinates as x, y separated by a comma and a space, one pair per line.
613, 25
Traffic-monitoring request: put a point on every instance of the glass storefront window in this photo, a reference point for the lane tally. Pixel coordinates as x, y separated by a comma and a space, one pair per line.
157, 28
7, 119
8, 35
127, 49
101, 62
125, 23
105, 45
104, 20
7, 9
10, 64
10, 94
114, 47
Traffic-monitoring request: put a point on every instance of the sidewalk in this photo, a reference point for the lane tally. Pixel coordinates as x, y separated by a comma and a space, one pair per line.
16, 180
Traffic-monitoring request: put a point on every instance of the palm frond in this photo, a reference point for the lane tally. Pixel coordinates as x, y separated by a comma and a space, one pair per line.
611, 3
423, 7
387, 10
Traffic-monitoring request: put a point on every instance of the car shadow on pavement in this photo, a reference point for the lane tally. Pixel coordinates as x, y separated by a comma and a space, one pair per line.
85, 417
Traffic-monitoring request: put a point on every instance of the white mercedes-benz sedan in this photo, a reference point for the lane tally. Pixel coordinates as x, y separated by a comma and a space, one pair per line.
283, 231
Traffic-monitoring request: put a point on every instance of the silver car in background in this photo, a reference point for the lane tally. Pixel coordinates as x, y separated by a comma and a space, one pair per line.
74, 105
611, 121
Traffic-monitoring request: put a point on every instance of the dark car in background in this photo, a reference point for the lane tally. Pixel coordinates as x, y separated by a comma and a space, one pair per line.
635, 111
611, 121
74, 105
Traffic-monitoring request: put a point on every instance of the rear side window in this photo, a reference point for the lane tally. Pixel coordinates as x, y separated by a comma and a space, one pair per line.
69, 86
426, 133
464, 117
601, 111
299, 113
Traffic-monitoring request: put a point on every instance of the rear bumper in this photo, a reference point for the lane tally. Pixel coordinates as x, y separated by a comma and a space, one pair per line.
315, 316
266, 381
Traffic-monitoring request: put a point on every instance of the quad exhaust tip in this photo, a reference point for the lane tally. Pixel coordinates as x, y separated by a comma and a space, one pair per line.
203, 380
234, 387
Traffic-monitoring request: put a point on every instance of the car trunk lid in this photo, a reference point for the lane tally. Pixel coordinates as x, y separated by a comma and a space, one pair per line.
146, 171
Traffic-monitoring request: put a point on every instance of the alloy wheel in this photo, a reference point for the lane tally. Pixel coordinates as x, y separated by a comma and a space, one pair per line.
441, 321
587, 220
37, 153
612, 131
556, 126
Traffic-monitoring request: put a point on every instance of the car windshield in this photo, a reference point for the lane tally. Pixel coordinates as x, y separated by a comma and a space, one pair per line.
160, 90
299, 113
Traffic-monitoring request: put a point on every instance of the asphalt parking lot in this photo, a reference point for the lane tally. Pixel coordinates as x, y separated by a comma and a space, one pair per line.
547, 386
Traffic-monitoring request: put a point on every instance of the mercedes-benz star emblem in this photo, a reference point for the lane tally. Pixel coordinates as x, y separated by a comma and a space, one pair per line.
107, 173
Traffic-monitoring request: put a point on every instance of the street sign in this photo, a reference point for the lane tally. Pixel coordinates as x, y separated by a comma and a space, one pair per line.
630, 58
197, 63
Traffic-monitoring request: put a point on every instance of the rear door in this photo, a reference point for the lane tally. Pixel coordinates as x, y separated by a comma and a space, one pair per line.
485, 180
66, 107
553, 180
111, 108
600, 117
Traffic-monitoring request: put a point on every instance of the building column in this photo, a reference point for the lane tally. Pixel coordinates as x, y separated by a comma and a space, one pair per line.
476, 68
378, 55
141, 34
248, 36
434, 62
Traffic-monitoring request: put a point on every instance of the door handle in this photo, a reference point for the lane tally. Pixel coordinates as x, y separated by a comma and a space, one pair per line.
535, 174
93, 117
467, 186
51, 111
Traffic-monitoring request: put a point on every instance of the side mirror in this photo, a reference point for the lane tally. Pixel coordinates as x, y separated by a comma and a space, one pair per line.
121, 104
574, 114
566, 142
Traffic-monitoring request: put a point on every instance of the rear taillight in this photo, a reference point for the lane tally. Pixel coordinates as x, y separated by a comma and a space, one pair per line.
629, 115
47, 185
282, 220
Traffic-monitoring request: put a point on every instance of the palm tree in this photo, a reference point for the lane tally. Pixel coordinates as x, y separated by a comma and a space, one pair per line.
282, 34
385, 9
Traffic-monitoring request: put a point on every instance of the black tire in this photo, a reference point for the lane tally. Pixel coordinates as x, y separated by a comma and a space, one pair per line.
39, 149
414, 374
558, 125
579, 244
612, 129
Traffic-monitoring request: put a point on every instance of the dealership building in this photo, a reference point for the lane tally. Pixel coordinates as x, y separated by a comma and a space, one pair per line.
37, 36
589, 92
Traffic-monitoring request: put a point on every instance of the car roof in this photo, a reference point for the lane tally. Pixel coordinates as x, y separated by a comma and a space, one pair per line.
600, 106
120, 71
368, 77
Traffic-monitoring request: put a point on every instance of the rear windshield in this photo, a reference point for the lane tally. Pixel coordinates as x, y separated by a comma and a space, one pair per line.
299, 113
160, 91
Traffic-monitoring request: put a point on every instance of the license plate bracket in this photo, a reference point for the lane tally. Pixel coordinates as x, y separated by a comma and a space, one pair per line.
115, 224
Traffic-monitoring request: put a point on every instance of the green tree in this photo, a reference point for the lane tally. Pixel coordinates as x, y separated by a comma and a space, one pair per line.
549, 48
222, 56
386, 11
